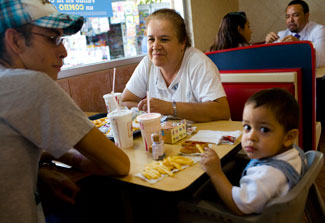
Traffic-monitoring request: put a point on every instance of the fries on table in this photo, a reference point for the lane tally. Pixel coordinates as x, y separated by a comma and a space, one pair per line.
167, 166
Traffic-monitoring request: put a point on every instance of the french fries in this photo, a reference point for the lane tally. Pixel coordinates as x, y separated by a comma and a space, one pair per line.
199, 147
191, 147
100, 122
155, 169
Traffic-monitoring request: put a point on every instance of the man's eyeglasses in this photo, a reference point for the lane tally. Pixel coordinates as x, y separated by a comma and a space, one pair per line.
57, 40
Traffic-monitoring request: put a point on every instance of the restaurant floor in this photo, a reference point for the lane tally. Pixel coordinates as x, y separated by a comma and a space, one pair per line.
320, 180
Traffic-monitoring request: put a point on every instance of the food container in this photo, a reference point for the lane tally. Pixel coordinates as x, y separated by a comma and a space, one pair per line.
172, 131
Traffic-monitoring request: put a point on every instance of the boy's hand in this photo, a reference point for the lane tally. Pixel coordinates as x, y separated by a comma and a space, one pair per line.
210, 162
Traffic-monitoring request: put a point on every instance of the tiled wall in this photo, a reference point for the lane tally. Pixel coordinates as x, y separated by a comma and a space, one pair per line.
205, 16
266, 15
87, 90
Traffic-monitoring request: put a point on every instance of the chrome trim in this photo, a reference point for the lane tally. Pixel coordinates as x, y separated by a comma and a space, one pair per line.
69, 72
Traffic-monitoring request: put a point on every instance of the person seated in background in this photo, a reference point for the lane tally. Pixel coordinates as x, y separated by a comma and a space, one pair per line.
181, 80
270, 122
234, 31
300, 28
36, 114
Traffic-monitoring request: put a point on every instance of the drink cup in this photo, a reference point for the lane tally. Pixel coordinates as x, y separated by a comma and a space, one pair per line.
121, 125
149, 123
110, 103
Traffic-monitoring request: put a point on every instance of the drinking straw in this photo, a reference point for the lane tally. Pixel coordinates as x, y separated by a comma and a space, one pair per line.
118, 107
148, 102
114, 79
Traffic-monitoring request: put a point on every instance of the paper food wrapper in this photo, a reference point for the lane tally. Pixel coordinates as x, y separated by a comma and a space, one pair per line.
217, 137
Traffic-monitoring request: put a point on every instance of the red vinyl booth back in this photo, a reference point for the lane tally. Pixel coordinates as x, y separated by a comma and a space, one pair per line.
238, 93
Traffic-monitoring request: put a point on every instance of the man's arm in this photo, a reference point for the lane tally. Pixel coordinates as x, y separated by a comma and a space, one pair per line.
319, 44
103, 152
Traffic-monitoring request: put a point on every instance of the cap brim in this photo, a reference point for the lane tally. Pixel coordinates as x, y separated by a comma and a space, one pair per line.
70, 24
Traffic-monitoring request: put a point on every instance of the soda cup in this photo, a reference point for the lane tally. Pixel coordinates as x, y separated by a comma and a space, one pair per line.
121, 125
149, 123
110, 103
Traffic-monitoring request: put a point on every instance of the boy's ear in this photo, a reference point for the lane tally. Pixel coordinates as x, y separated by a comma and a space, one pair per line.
290, 137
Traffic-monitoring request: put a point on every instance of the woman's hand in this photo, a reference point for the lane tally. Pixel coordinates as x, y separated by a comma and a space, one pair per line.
210, 162
156, 105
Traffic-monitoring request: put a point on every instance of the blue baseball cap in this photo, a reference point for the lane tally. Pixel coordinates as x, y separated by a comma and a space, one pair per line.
15, 13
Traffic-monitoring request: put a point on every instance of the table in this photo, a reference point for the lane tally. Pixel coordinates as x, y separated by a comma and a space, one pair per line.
131, 199
139, 158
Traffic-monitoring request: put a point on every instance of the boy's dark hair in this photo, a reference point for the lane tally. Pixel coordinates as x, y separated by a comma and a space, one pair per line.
25, 31
300, 2
281, 103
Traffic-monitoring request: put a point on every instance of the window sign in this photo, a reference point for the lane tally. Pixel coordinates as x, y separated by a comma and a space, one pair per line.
105, 39
86, 8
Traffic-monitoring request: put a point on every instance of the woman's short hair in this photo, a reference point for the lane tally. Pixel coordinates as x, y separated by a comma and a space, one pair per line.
176, 19
228, 35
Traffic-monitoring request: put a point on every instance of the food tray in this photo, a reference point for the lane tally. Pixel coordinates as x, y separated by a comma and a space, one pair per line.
103, 115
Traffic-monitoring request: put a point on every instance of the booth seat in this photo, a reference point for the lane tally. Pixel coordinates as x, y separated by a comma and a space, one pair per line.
239, 85
87, 90
290, 55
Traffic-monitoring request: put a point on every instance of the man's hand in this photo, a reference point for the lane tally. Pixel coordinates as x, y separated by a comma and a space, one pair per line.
156, 105
289, 38
55, 185
271, 37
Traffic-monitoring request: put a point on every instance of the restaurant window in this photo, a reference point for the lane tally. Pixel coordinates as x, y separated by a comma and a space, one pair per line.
105, 39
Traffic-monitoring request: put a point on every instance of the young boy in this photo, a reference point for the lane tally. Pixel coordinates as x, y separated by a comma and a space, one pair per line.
270, 121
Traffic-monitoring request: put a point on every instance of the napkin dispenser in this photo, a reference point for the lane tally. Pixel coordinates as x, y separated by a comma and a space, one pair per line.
172, 131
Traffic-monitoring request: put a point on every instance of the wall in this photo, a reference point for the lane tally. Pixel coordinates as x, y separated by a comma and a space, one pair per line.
266, 16
204, 17
87, 90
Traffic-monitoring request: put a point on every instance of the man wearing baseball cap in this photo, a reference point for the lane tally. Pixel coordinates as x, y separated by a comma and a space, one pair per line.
36, 115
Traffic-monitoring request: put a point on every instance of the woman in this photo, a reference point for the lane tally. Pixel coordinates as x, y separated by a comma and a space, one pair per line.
234, 31
181, 80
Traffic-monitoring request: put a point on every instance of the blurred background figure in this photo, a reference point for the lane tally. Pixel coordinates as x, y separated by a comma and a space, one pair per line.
234, 31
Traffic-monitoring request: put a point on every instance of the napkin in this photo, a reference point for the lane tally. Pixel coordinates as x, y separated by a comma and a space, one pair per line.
217, 137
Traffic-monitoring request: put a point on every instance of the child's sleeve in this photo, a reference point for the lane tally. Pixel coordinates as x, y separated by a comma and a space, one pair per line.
259, 186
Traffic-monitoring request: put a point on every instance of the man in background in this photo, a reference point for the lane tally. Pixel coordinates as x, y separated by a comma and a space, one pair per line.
300, 28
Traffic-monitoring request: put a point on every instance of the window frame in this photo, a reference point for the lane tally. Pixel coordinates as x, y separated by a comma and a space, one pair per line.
89, 68
105, 65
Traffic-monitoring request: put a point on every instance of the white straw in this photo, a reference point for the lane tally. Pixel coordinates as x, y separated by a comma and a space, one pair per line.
114, 79
148, 102
118, 107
